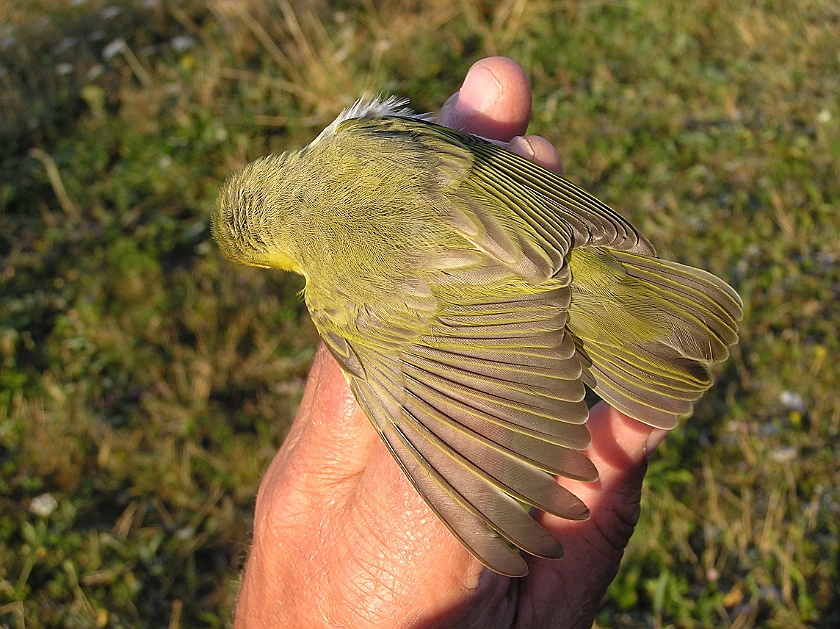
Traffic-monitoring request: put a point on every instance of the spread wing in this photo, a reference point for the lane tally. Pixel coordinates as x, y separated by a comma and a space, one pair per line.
480, 404
647, 329
477, 388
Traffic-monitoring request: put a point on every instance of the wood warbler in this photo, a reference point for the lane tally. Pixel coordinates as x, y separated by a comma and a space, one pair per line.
469, 295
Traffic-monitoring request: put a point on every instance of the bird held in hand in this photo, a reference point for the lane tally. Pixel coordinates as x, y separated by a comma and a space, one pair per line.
469, 295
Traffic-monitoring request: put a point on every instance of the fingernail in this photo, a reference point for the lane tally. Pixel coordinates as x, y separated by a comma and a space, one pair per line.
480, 91
448, 112
521, 146
654, 439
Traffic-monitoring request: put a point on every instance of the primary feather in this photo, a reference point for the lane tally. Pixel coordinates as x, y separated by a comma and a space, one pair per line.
468, 295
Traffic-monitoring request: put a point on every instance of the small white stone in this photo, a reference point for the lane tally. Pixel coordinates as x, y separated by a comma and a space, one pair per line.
792, 401
43, 505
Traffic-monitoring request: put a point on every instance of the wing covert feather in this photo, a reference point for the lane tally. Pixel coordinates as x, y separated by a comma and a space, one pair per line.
553, 207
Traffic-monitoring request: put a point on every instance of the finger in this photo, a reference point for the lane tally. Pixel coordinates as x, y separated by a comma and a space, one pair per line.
494, 101
620, 445
620, 449
538, 150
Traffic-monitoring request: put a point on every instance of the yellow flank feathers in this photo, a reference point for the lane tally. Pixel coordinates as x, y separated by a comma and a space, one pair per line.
468, 295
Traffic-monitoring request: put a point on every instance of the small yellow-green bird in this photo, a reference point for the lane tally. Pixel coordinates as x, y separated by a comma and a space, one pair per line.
469, 295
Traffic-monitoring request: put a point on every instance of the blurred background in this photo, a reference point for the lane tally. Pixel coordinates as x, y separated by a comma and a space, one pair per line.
146, 383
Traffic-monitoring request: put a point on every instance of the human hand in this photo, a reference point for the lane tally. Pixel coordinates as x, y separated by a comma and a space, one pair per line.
342, 539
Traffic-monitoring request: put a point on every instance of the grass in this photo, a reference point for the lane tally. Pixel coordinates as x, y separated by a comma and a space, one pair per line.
145, 383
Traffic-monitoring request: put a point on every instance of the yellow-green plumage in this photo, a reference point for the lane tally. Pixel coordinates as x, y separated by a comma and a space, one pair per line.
468, 295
